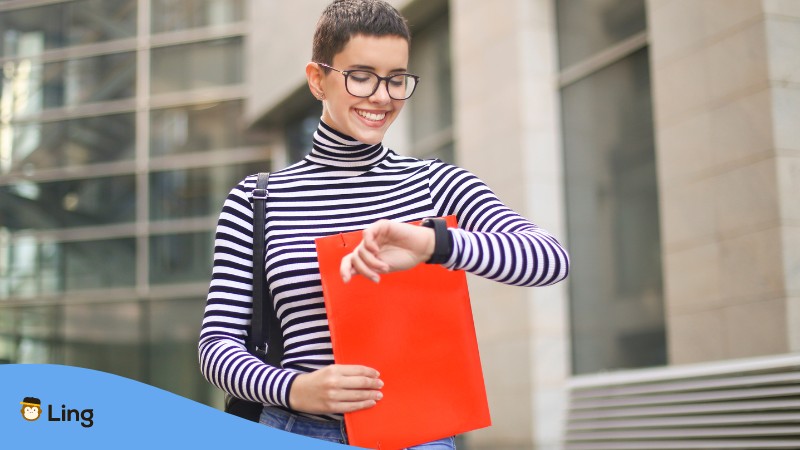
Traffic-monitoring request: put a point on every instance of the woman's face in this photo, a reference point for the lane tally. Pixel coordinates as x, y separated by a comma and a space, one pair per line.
365, 119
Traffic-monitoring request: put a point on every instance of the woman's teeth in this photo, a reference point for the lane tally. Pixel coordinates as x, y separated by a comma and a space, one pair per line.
371, 116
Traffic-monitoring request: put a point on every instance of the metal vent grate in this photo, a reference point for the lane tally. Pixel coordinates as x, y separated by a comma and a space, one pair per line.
753, 404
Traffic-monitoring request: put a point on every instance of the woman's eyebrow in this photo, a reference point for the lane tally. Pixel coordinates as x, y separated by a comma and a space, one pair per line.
365, 67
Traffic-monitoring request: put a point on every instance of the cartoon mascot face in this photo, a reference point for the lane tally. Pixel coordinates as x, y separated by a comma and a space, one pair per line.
31, 408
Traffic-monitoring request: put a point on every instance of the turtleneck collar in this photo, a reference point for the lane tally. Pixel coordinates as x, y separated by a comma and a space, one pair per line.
332, 148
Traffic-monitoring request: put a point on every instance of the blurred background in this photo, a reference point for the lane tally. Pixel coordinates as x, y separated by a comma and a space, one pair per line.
658, 139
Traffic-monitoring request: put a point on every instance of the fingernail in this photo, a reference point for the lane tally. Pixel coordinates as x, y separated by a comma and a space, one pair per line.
379, 396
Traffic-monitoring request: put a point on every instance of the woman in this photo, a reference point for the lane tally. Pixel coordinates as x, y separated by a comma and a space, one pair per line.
350, 181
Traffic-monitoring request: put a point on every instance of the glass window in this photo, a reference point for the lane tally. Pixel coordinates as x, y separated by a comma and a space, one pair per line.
66, 143
28, 32
38, 334
195, 192
431, 114
26, 205
106, 337
99, 264
9, 341
31, 267
30, 87
197, 128
197, 65
613, 219
174, 328
180, 258
28, 335
172, 15
585, 28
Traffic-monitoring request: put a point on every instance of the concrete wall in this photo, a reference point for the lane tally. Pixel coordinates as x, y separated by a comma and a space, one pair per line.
277, 50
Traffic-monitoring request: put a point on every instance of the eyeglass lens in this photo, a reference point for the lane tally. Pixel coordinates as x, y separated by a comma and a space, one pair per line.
363, 84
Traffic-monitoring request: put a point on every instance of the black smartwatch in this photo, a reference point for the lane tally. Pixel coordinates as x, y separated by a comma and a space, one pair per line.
443, 241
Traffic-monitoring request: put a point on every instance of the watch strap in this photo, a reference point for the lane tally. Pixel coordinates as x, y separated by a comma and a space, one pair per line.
443, 241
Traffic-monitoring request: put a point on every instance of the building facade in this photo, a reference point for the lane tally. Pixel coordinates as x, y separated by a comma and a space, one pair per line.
657, 138
120, 135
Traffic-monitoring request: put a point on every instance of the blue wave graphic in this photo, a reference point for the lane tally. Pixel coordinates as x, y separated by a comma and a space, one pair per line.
88, 409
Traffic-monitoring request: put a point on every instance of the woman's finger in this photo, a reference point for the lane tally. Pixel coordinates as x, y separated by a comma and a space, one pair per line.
362, 269
368, 241
346, 270
355, 395
360, 383
353, 370
371, 260
346, 407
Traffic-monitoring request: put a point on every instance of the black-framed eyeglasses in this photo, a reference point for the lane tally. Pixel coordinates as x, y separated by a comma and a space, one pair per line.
364, 83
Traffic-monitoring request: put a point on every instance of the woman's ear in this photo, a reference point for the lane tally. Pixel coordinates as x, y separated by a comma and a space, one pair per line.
314, 75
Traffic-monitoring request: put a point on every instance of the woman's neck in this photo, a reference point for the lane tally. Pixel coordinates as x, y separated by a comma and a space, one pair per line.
332, 148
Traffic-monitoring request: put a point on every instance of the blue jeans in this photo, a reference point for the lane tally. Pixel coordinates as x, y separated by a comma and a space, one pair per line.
332, 431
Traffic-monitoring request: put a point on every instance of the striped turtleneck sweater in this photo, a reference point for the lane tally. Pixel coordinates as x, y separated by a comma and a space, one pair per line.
344, 185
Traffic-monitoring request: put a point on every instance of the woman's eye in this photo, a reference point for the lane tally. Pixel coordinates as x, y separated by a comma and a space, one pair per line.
360, 78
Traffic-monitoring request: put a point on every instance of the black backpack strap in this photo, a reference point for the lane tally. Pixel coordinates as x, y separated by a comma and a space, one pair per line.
264, 324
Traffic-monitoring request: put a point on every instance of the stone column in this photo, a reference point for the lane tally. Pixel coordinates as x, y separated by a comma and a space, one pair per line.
726, 86
507, 133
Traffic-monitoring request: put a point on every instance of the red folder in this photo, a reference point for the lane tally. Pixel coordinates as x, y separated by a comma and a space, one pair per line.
416, 328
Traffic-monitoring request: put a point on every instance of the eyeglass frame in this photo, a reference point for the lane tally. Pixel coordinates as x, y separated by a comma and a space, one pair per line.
386, 79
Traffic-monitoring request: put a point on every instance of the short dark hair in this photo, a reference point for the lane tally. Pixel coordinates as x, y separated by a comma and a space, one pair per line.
343, 19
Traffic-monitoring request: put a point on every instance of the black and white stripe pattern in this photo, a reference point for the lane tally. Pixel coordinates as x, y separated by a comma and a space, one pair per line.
344, 185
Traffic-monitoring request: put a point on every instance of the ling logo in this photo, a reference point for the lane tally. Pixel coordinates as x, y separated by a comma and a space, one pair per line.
32, 410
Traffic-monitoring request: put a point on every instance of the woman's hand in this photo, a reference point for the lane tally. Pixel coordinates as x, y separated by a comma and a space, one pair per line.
388, 247
336, 389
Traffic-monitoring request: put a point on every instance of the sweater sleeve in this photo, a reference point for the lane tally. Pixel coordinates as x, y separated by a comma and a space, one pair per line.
493, 241
224, 361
